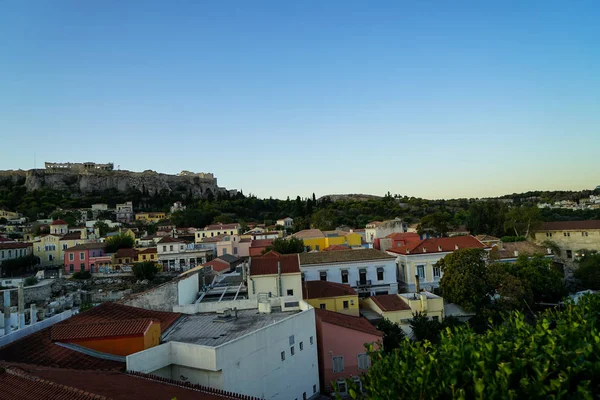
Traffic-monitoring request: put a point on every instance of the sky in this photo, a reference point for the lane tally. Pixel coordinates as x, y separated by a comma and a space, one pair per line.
434, 99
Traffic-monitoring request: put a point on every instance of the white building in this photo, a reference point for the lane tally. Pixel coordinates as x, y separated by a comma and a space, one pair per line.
179, 255
216, 230
287, 222
177, 206
421, 258
266, 349
10, 250
369, 271
124, 212
380, 229
275, 274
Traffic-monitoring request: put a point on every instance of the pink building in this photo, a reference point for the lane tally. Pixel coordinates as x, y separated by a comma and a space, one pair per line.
341, 343
87, 257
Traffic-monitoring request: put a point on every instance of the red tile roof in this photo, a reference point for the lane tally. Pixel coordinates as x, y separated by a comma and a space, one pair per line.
309, 233
321, 289
346, 321
126, 253
261, 243
390, 302
59, 222
406, 236
570, 225
267, 265
438, 245
149, 250
217, 238
169, 239
14, 245
336, 247
216, 227
217, 265
71, 236
107, 385
68, 332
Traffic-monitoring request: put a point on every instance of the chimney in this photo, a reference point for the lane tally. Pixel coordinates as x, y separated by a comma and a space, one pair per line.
21, 306
6, 312
279, 278
33, 314
516, 253
439, 248
417, 284
549, 250
424, 249
455, 247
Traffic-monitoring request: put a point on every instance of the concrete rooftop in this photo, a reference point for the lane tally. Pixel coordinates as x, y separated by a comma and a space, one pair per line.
203, 329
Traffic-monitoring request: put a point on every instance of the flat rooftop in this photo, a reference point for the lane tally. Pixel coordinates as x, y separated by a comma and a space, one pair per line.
415, 296
205, 329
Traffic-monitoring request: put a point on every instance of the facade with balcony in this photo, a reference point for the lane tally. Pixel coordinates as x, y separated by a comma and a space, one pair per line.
179, 255
369, 271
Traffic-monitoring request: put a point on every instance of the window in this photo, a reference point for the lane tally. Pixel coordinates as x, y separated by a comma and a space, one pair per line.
283, 356
231, 233
421, 271
344, 276
82, 265
341, 385
436, 272
569, 254
65, 246
50, 257
435, 318
302, 276
346, 306
584, 233
164, 248
291, 339
71, 268
322, 306
311, 340
144, 256
9, 253
323, 275
301, 346
363, 361
290, 292
380, 273
317, 247
338, 364
235, 250
2, 253
171, 248
82, 256
314, 388
292, 351
71, 256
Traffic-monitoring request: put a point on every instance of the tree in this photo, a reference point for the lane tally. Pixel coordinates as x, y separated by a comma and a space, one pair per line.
102, 227
556, 357
437, 223
393, 335
20, 265
588, 269
523, 220
323, 219
145, 270
289, 245
120, 241
3, 221
486, 217
465, 280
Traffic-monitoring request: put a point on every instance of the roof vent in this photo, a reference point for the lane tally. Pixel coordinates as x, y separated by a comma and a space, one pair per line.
549, 250
424, 249
226, 315
439, 248
455, 247
516, 253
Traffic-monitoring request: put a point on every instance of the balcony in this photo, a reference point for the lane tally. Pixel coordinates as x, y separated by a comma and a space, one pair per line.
363, 283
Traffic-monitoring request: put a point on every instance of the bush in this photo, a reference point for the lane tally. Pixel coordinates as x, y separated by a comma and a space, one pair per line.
512, 239
82, 275
555, 357
145, 270
32, 280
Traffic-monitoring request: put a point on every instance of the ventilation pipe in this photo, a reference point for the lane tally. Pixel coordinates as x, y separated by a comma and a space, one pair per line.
21, 306
279, 278
6, 312
33, 314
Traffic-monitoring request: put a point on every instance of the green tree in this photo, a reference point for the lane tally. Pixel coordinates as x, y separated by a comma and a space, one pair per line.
555, 357
323, 219
3, 221
588, 269
486, 217
437, 223
19, 266
393, 335
102, 227
289, 245
120, 241
523, 220
145, 270
465, 280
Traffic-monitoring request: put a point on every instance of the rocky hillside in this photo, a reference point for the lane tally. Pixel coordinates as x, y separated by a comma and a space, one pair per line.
150, 182
353, 197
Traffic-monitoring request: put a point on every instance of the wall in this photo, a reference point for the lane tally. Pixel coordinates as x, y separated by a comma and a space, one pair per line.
187, 289
160, 298
29, 329
348, 343
411, 262
269, 284
122, 346
336, 304
334, 273
574, 242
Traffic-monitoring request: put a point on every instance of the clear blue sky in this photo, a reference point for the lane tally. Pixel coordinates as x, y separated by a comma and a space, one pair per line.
430, 98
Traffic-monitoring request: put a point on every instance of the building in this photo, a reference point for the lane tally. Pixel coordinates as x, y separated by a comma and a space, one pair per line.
331, 296
369, 271
124, 212
90, 257
262, 235
341, 347
59, 227
147, 254
216, 230
265, 348
570, 236
178, 255
9, 214
275, 274
317, 240
380, 229
489, 240
79, 167
257, 247
177, 206
150, 217
401, 307
510, 251
10, 250
396, 240
286, 223
50, 248
420, 259
124, 259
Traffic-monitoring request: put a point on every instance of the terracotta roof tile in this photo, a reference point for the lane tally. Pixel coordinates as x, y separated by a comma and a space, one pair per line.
438, 245
309, 233
570, 225
71, 236
67, 332
217, 227
169, 239
390, 302
14, 245
261, 243
217, 265
346, 321
267, 265
124, 253
337, 247
87, 246
325, 257
59, 222
321, 289
149, 250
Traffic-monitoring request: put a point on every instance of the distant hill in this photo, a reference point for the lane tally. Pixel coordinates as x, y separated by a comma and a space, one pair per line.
352, 197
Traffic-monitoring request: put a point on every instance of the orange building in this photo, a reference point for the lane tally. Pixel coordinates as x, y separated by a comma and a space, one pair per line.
120, 338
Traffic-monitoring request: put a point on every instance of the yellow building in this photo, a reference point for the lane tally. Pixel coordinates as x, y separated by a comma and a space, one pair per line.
275, 275
150, 217
8, 214
51, 248
331, 296
570, 236
401, 307
319, 240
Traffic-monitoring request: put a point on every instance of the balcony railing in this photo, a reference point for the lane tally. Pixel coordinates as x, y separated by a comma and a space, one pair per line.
363, 283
